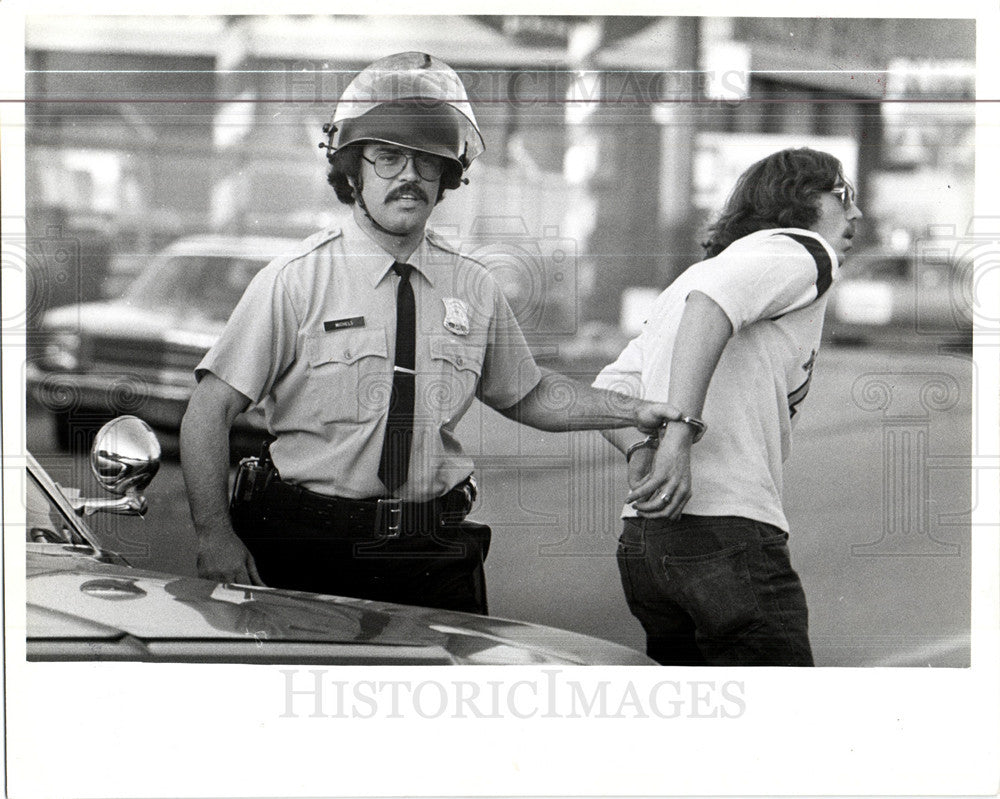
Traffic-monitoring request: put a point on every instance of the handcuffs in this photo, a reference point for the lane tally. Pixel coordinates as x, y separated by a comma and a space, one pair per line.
652, 441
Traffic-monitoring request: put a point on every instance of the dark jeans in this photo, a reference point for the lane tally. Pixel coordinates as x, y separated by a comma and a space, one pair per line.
714, 590
443, 569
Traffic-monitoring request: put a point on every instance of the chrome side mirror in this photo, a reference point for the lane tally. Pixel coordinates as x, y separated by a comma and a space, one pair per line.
125, 458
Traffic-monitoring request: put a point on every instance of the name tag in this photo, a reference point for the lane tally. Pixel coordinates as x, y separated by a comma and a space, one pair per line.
340, 324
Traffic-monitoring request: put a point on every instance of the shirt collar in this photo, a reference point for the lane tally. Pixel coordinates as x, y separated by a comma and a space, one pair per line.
377, 263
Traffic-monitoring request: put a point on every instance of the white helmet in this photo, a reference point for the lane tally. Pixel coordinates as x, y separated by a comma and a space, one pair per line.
412, 100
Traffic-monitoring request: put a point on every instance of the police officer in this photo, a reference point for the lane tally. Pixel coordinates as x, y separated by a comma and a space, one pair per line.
364, 349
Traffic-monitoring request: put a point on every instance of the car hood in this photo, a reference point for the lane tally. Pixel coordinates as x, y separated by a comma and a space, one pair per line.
122, 319
80, 608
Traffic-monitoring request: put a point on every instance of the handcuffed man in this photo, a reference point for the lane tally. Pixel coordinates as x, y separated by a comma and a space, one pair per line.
703, 557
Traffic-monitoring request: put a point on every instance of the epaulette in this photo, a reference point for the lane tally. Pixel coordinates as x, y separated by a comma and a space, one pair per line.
305, 247
438, 241
318, 238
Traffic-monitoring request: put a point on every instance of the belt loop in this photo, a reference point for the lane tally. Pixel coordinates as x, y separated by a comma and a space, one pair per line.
388, 517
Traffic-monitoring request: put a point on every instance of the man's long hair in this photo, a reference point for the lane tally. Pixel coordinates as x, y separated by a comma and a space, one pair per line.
346, 167
777, 191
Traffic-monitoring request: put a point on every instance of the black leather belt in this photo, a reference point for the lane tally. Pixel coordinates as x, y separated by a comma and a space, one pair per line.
365, 518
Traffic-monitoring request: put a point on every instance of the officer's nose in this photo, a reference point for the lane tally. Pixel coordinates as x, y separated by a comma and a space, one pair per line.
409, 172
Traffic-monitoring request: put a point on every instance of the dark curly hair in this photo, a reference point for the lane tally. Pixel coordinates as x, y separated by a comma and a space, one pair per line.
777, 191
346, 166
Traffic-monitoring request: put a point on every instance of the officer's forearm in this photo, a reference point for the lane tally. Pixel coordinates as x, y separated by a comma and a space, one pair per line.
559, 403
205, 458
623, 438
204, 462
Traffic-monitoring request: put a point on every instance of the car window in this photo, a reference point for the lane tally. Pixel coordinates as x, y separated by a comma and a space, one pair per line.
880, 267
202, 285
45, 522
893, 267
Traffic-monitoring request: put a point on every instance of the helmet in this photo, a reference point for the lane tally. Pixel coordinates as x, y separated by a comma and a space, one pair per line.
412, 100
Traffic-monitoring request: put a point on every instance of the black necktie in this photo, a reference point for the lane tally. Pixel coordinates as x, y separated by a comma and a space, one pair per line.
398, 439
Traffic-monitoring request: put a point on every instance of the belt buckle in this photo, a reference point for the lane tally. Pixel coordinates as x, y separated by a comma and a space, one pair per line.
388, 515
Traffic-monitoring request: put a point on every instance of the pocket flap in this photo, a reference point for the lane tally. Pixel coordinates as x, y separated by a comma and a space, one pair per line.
458, 353
346, 346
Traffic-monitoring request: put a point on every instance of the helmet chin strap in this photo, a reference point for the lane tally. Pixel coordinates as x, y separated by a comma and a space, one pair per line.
361, 204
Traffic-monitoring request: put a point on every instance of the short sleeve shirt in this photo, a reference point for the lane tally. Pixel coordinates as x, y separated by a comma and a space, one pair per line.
312, 342
772, 286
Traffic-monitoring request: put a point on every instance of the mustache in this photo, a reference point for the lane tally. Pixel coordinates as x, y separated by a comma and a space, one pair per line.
407, 188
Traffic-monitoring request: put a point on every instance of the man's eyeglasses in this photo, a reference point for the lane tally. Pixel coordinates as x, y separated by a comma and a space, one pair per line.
846, 194
390, 164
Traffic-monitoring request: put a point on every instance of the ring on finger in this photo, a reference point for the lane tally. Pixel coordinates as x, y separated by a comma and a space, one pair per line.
664, 496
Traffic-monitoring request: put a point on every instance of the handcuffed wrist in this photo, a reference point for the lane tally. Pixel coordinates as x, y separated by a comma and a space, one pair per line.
697, 426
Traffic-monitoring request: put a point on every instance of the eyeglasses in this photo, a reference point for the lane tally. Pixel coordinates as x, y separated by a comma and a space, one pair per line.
390, 164
846, 194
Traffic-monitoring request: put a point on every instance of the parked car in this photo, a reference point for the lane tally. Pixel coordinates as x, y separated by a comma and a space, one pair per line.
86, 603
911, 298
136, 354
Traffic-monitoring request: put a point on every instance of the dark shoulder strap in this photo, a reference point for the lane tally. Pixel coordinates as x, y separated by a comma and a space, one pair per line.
824, 266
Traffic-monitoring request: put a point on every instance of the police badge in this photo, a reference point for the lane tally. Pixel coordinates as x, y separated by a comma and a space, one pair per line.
456, 316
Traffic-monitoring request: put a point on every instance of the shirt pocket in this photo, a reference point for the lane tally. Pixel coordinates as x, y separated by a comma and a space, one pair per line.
456, 366
348, 377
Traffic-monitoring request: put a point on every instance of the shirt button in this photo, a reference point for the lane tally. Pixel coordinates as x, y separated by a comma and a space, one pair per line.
459, 361
347, 353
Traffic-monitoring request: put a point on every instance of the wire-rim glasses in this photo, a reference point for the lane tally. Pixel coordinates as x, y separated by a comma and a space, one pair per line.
391, 163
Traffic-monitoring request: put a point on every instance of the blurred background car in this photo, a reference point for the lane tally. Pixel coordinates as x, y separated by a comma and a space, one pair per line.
86, 603
594, 185
136, 353
911, 298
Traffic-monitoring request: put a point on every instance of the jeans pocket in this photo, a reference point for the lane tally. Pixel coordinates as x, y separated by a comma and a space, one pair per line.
715, 589
774, 567
628, 555
773, 537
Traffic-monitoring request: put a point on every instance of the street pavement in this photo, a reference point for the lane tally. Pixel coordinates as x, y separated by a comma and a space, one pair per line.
877, 494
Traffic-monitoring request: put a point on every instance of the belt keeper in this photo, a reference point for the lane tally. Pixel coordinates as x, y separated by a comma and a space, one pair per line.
388, 518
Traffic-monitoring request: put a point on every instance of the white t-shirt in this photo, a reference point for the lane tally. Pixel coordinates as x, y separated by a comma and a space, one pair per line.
771, 284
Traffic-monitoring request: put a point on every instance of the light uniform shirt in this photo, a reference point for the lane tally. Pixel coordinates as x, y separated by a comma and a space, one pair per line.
312, 342
772, 285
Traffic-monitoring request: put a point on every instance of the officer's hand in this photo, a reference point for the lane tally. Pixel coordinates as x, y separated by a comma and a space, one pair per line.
224, 558
651, 416
666, 489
